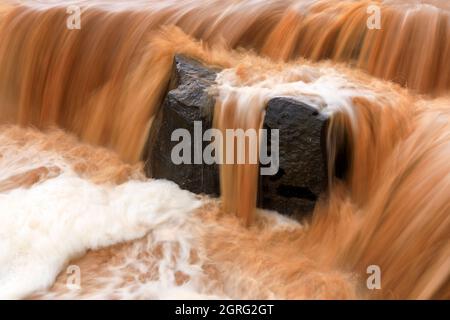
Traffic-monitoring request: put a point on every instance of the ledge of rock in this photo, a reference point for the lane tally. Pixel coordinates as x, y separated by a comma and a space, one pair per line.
302, 175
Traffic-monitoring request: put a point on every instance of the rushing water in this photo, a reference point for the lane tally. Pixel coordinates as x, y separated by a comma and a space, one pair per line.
387, 89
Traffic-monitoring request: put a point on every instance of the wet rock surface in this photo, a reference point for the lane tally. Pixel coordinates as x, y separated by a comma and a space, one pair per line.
302, 174
186, 101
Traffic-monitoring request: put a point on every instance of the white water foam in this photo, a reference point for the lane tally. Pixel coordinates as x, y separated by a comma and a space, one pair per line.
45, 226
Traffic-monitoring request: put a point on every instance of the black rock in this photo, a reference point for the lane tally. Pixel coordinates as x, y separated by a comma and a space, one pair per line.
302, 174
186, 101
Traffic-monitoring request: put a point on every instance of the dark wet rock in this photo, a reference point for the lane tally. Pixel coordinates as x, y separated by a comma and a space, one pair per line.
302, 174
186, 101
